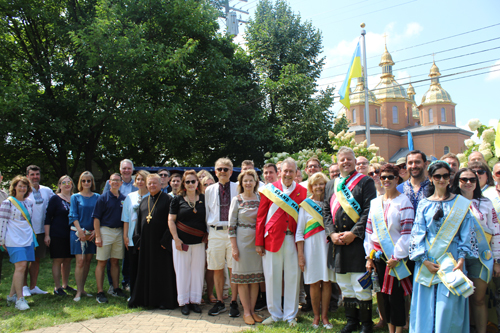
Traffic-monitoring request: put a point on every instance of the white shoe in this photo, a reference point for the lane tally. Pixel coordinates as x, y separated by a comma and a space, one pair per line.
26, 291
37, 291
293, 322
21, 304
111, 290
11, 300
268, 321
328, 326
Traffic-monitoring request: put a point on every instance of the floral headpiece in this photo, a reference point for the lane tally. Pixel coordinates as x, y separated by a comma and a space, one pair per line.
437, 161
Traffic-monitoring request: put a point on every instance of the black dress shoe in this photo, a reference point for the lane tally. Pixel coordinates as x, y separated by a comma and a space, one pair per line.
185, 309
196, 308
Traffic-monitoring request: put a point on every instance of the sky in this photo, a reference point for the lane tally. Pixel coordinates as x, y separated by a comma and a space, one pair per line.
414, 30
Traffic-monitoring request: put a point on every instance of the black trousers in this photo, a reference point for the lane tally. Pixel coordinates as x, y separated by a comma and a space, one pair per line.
394, 304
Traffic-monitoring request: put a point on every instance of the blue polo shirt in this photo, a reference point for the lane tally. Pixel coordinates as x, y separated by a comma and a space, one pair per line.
108, 209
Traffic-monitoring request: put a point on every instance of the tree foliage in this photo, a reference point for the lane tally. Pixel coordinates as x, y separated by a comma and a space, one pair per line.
88, 83
286, 52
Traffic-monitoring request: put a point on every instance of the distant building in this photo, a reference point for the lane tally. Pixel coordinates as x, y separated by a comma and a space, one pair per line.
393, 111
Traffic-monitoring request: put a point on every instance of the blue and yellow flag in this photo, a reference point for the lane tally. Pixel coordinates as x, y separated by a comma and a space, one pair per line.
354, 71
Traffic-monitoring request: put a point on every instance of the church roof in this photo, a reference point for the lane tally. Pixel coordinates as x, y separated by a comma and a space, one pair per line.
388, 88
436, 93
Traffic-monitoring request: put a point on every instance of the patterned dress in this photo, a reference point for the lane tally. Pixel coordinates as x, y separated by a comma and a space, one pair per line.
242, 218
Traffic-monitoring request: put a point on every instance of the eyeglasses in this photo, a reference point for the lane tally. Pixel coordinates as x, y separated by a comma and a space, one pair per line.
391, 177
402, 166
438, 177
115, 180
335, 175
371, 174
313, 166
362, 163
222, 169
66, 182
163, 175
464, 180
86, 181
190, 182
480, 172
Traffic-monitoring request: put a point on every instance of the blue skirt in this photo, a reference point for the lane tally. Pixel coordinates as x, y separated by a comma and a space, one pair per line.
17, 254
76, 245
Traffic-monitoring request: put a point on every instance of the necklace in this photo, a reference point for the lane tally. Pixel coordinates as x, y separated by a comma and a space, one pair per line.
148, 218
191, 204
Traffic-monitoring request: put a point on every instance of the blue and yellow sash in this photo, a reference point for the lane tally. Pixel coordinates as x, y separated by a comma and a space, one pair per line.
491, 193
443, 239
485, 254
314, 225
343, 196
26, 215
455, 280
281, 200
401, 271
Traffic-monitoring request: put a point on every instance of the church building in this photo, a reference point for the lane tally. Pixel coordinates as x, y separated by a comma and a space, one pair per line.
393, 112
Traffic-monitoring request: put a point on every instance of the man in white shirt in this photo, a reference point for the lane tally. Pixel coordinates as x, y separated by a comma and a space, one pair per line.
218, 199
40, 196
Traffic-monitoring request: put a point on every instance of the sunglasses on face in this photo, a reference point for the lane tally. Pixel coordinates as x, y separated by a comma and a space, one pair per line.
190, 182
163, 175
464, 180
391, 177
371, 174
402, 166
86, 181
480, 172
66, 182
222, 169
438, 177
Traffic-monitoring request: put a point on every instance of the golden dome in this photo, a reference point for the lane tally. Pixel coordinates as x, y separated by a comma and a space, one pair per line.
389, 88
410, 91
358, 95
436, 93
386, 58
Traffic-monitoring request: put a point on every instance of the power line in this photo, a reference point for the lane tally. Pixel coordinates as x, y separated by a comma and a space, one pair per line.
432, 41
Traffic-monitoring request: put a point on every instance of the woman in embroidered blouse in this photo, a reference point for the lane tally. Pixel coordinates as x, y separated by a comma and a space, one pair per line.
312, 249
466, 183
433, 307
82, 234
57, 235
398, 217
247, 264
129, 219
16, 235
483, 174
187, 224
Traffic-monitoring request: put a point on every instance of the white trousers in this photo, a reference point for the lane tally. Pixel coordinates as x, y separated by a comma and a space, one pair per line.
351, 288
279, 266
189, 273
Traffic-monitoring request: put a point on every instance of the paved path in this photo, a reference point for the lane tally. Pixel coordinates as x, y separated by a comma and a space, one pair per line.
172, 321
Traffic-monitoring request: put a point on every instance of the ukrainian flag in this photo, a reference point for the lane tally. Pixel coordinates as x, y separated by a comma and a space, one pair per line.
354, 71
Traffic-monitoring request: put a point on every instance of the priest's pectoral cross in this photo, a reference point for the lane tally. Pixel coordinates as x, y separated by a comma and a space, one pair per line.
148, 218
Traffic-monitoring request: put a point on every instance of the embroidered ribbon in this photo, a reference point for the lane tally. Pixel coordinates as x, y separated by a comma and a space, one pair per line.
26, 216
485, 254
401, 271
343, 197
456, 281
190, 230
281, 200
314, 225
443, 239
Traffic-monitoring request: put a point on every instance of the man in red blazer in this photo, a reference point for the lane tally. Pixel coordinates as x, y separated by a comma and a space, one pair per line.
275, 242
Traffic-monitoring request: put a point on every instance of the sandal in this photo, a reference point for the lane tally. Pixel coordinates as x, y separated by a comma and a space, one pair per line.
212, 299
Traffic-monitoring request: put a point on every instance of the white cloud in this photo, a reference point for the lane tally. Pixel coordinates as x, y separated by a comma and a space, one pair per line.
413, 29
494, 72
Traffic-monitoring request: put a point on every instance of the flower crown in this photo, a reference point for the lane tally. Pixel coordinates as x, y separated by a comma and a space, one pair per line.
437, 161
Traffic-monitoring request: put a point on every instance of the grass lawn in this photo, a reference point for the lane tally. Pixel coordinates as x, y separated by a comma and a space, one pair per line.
49, 310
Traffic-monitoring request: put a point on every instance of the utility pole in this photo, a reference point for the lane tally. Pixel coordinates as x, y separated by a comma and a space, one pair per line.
232, 21
367, 107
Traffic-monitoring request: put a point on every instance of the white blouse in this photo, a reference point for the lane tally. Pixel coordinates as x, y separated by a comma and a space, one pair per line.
484, 212
15, 231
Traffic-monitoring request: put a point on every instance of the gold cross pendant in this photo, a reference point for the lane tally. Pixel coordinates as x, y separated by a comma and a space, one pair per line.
148, 218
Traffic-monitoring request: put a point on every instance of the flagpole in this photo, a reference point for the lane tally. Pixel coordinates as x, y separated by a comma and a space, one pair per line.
365, 77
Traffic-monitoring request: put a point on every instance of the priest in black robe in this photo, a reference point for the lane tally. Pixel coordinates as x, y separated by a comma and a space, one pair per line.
155, 285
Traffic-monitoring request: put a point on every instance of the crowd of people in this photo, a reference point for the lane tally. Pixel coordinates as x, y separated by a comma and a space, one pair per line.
415, 229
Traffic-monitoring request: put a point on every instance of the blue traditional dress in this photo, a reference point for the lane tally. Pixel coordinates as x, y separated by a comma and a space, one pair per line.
435, 308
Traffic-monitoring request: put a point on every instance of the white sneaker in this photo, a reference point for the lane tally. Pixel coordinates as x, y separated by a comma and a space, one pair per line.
37, 291
111, 290
268, 321
26, 291
293, 322
11, 300
21, 304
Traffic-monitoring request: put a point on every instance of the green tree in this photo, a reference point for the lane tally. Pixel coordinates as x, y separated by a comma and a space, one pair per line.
286, 52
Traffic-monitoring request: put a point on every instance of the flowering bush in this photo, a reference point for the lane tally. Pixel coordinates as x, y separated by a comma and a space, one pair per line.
485, 147
346, 139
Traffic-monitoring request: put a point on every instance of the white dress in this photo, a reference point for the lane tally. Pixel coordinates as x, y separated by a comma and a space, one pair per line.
315, 251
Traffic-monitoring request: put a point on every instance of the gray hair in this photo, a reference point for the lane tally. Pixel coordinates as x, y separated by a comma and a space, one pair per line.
127, 161
290, 161
346, 150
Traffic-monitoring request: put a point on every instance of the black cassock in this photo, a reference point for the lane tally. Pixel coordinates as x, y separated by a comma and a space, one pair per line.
155, 285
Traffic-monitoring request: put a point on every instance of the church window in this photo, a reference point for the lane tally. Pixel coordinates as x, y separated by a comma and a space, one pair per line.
431, 116
443, 114
354, 115
446, 150
395, 119
453, 115
376, 116
363, 115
